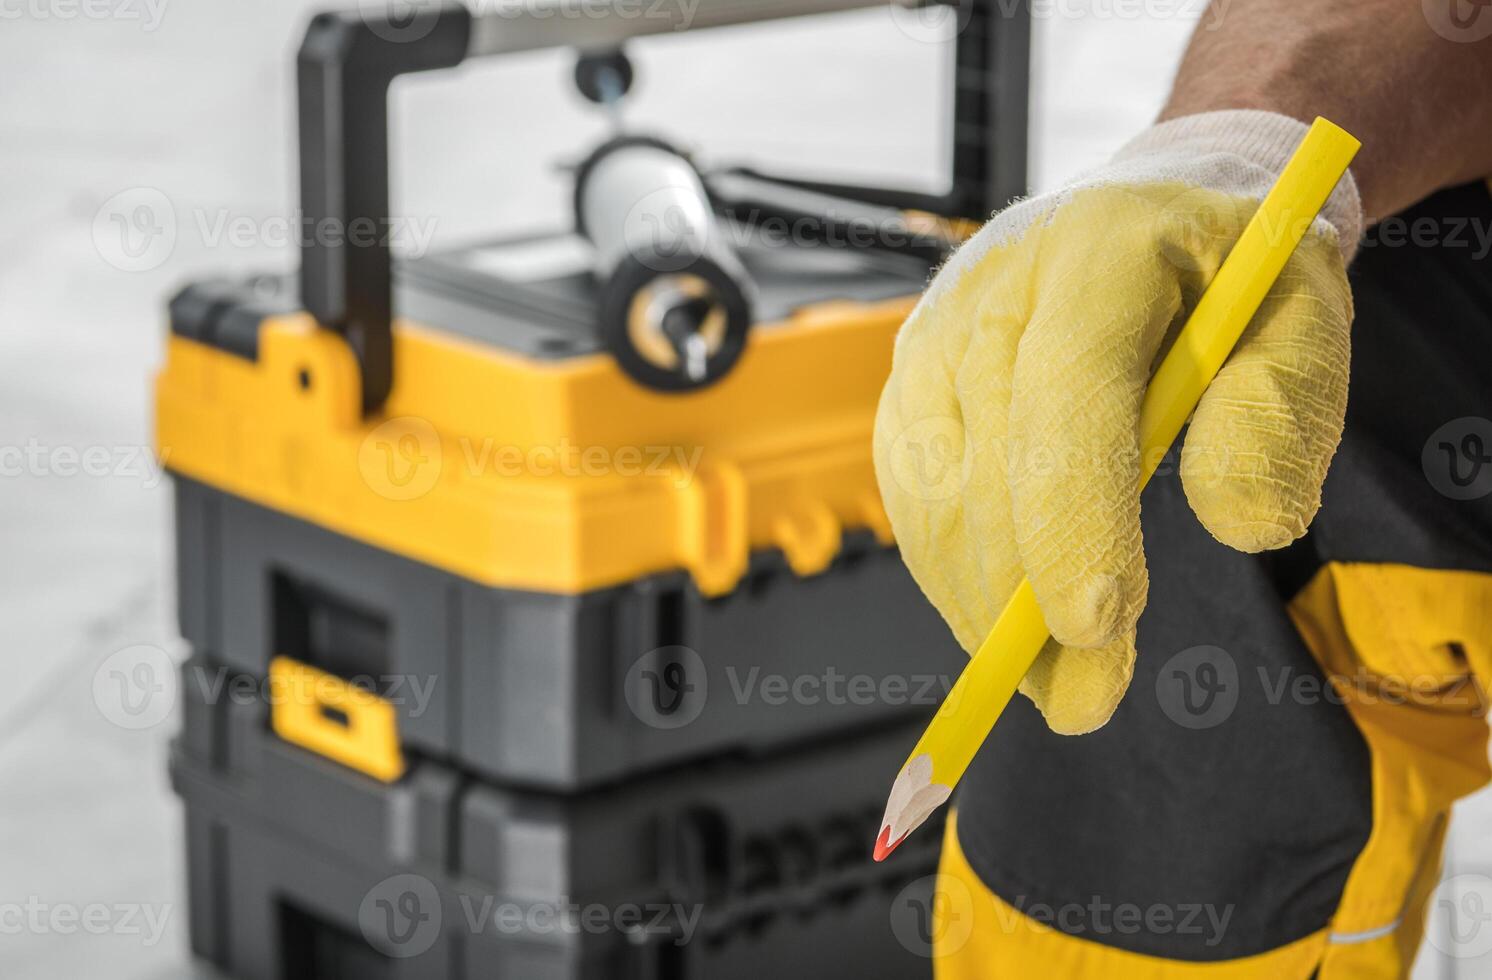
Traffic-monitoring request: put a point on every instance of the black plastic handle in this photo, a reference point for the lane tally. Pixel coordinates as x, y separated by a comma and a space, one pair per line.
344, 69
989, 129
991, 106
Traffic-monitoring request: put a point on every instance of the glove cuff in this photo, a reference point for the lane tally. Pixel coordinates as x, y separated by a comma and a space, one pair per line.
1242, 151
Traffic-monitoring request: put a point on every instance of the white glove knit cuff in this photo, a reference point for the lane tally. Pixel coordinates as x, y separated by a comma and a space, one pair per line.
1239, 152
1242, 152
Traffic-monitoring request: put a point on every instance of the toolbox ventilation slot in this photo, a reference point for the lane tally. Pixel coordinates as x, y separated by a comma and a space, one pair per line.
313, 949
670, 621
317, 627
671, 962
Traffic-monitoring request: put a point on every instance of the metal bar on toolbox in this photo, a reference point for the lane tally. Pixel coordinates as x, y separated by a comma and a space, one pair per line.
508, 26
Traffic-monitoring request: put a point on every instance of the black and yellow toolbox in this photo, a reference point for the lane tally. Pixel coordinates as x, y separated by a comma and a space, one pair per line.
558, 560
729, 868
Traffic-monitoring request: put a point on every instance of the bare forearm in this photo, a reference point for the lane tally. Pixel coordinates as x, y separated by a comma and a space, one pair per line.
1420, 101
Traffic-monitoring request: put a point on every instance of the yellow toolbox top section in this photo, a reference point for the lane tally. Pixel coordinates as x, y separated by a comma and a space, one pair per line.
556, 476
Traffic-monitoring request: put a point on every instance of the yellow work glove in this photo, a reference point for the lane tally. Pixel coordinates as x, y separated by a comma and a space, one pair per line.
1006, 442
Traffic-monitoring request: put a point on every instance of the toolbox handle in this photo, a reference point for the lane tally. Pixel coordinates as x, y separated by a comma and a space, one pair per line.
348, 60
344, 69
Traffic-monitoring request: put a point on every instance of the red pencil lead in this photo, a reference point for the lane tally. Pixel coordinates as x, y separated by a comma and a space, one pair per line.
884, 844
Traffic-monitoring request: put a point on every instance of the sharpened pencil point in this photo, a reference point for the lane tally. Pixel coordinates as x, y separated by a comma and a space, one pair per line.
914, 796
884, 844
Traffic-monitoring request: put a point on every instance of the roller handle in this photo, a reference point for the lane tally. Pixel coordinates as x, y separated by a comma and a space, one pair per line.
344, 69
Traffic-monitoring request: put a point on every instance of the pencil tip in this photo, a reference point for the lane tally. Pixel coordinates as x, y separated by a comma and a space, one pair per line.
885, 845
914, 796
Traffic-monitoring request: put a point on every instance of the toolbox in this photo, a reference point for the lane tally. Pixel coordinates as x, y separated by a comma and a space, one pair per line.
496, 494
558, 559
735, 867
565, 691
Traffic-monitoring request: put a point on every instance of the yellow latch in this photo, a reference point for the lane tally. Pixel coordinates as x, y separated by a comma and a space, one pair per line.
344, 722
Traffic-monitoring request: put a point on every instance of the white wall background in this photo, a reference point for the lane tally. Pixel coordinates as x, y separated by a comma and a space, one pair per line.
193, 98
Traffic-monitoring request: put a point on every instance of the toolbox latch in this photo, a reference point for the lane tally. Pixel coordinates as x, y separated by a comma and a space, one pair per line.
333, 718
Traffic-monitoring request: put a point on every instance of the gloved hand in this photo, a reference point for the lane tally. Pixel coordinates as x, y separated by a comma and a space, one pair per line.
1006, 441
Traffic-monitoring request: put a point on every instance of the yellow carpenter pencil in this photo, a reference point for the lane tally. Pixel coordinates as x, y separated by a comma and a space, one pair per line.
1232, 298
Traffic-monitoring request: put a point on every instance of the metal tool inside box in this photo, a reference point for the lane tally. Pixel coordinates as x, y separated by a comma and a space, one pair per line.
538, 294
585, 638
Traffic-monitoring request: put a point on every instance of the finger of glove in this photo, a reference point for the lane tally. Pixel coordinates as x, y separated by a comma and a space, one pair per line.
1077, 690
1264, 433
939, 452
1102, 310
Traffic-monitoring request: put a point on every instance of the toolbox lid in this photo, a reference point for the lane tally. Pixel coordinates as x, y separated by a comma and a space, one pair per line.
498, 355
537, 295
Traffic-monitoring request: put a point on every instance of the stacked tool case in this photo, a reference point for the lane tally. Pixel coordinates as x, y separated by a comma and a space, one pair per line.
551, 674
303, 868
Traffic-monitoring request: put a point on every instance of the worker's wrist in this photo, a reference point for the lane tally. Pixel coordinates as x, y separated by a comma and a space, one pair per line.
1239, 152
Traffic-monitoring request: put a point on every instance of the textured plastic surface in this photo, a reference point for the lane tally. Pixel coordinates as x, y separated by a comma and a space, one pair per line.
563, 691
289, 855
